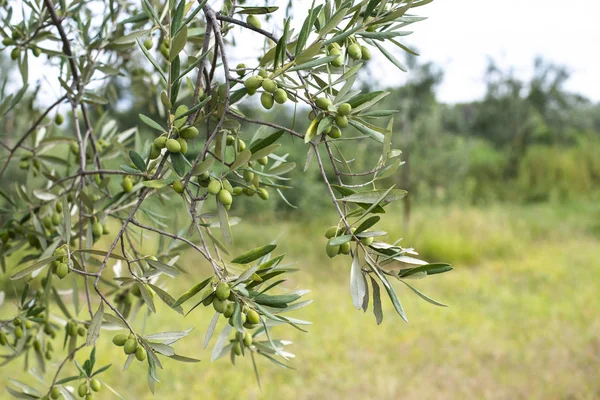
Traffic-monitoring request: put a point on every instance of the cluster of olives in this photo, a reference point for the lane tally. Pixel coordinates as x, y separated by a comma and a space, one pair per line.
340, 116
130, 345
224, 303
16, 51
73, 329
344, 248
60, 267
354, 51
271, 91
25, 329
86, 388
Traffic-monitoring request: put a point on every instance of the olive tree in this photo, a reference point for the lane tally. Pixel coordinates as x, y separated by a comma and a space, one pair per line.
80, 196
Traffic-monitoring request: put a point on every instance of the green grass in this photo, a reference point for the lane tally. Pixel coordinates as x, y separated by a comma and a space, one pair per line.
522, 321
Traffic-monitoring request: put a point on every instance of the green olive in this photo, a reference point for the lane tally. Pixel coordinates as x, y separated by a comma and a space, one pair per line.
335, 133
331, 251
97, 229
323, 103
219, 305
241, 69
238, 190
252, 20
188, 133
248, 325
269, 85
24, 164
59, 119
127, 184
56, 218
247, 339
18, 332
252, 317
248, 175
184, 146
72, 328
237, 348
332, 232
354, 51
341, 121
214, 187
345, 248
263, 160
241, 145
366, 241
120, 339
253, 83
62, 270
89, 396
263, 194
339, 61
140, 353
280, 96
7, 41
3, 340
222, 292
230, 140
178, 187
229, 310
263, 73
96, 385
173, 146
15, 53
36, 51
47, 221
82, 390
344, 109
267, 101
154, 152
366, 53
160, 142
130, 346
225, 197
148, 44
81, 331
54, 392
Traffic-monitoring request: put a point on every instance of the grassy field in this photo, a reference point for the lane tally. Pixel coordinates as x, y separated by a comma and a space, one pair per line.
522, 323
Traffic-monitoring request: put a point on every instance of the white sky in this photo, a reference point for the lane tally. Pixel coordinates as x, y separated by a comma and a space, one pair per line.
460, 35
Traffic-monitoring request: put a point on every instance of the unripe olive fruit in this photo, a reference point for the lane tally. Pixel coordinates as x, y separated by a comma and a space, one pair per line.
48, 356
241, 69
18, 332
184, 146
82, 390
81, 331
15, 53
252, 20
237, 190
188, 133
252, 317
263, 160
160, 142
263, 194
312, 115
345, 248
332, 232
354, 51
267, 101
7, 41
263, 73
120, 339
237, 348
230, 140
247, 339
332, 251
148, 44
127, 184
280, 96
241, 145
225, 197
59, 119
24, 164
335, 133
248, 325
72, 328
97, 229
341, 121
344, 109
222, 291
96, 385
229, 310
220, 305
323, 103
366, 53
269, 85
214, 186
89, 396
54, 393
36, 51
178, 187
253, 82
56, 219
140, 353
47, 222
248, 175
154, 152
339, 61
3, 340
62, 270
130, 346
366, 241
173, 146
